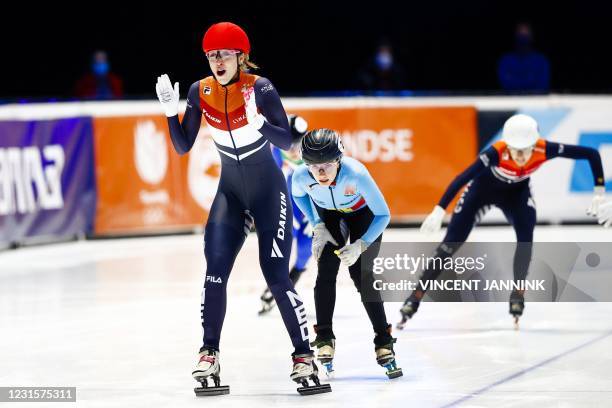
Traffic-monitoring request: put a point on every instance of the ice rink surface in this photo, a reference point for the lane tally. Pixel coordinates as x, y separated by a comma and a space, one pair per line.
119, 319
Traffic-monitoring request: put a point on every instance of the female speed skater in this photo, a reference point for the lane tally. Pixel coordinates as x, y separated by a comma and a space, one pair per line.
302, 231
500, 177
244, 114
341, 200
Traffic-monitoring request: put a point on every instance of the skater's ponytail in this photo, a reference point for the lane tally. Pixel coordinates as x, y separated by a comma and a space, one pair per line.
246, 65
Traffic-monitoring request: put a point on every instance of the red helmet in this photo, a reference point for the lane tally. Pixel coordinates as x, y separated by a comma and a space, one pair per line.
226, 35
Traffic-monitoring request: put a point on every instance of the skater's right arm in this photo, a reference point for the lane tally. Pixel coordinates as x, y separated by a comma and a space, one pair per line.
183, 134
301, 197
486, 159
433, 222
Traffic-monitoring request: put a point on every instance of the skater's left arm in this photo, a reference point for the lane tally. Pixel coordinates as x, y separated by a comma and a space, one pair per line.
275, 127
349, 254
592, 155
377, 204
578, 152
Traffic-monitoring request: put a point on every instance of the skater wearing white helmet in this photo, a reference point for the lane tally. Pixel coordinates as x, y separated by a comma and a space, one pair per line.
500, 177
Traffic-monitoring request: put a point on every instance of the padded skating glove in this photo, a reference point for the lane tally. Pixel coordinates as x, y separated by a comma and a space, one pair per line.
433, 222
320, 237
349, 254
168, 96
599, 196
254, 118
605, 214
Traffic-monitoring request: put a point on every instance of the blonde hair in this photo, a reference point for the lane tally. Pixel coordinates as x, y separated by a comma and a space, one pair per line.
247, 65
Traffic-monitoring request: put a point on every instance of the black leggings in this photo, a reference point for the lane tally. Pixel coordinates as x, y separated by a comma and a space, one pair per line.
355, 225
247, 194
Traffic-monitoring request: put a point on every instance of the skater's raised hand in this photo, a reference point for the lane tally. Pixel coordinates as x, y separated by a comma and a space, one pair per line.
599, 196
320, 237
167, 95
605, 214
254, 118
433, 222
349, 254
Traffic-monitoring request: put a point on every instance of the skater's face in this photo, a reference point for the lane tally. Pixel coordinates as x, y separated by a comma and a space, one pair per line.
324, 173
224, 64
521, 156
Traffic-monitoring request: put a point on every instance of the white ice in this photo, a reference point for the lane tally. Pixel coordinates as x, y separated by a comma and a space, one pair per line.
119, 319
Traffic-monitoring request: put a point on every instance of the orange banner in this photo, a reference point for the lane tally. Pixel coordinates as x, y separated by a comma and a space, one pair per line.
412, 153
142, 183
144, 186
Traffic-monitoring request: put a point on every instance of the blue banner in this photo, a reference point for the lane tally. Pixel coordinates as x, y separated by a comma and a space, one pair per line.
47, 182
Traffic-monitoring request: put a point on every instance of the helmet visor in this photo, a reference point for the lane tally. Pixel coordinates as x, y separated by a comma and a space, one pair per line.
326, 167
223, 55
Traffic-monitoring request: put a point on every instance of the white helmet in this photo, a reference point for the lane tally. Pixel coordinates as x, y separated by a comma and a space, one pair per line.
520, 132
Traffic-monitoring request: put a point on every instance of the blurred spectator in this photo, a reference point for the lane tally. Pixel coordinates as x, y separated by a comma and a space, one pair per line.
382, 72
100, 83
524, 69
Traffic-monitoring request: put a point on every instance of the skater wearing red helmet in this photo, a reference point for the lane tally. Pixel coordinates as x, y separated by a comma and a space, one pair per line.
244, 114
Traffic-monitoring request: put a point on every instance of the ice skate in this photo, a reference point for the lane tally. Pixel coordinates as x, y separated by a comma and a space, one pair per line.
305, 369
407, 311
208, 368
267, 302
325, 354
385, 356
517, 305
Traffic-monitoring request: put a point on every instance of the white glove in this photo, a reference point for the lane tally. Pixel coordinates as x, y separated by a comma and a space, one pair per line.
320, 237
254, 118
433, 222
599, 196
349, 254
168, 96
605, 214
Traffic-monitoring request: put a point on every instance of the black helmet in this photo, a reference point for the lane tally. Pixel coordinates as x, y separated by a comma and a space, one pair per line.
321, 146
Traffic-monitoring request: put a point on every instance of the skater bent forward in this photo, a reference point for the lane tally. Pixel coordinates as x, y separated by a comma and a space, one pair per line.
500, 177
341, 200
